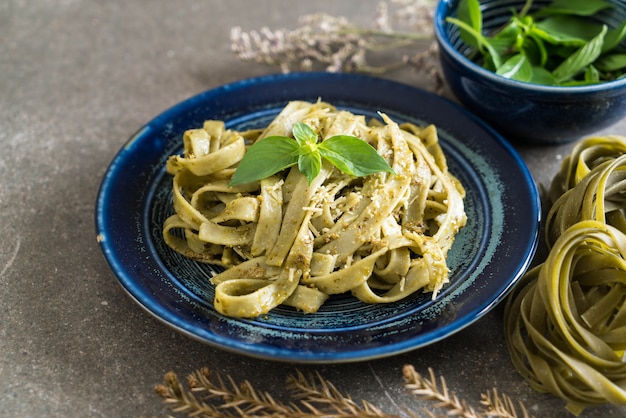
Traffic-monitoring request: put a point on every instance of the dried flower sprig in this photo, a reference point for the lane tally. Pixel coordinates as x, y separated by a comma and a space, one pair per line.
428, 389
501, 406
335, 44
212, 395
493, 404
321, 397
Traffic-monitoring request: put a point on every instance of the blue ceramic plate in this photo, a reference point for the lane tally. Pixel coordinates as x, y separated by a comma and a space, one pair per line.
488, 256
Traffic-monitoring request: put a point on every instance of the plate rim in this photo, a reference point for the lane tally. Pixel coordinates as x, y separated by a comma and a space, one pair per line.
273, 353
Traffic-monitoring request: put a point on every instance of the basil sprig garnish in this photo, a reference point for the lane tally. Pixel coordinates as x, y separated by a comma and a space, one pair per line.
273, 154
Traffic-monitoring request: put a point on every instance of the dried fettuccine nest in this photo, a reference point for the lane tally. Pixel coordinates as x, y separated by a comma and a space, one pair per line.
284, 241
566, 322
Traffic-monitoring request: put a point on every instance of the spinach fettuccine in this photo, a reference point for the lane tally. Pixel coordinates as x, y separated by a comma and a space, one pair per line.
566, 322
286, 240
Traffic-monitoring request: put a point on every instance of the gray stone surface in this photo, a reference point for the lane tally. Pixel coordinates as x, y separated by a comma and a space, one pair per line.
77, 79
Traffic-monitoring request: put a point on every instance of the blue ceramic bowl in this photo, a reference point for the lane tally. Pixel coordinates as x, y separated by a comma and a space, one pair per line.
525, 112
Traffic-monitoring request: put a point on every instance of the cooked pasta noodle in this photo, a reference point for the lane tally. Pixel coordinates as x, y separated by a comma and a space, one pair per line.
284, 241
586, 154
599, 195
565, 323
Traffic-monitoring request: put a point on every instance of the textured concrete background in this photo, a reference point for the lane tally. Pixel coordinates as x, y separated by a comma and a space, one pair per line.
77, 79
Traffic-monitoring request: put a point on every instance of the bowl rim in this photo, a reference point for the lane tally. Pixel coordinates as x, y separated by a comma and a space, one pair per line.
442, 10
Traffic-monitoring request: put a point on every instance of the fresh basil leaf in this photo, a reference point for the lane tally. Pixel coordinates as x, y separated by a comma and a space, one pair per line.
491, 53
310, 165
577, 83
580, 59
264, 158
304, 134
592, 75
543, 76
525, 24
611, 62
574, 7
502, 40
614, 37
567, 30
535, 49
353, 156
517, 68
469, 12
560, 52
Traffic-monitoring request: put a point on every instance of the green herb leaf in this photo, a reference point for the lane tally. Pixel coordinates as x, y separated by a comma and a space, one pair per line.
353, 156
580, 59
611, 62
592, 75
575, 7
310, 165
491, 54
304, 134
517, 68
470, 13
543, 76
504, 38
535, 49
567, 30
614, 37
270, 155
265, 158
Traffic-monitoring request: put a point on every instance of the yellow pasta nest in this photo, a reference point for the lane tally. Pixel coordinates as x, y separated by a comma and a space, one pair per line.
284, 241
